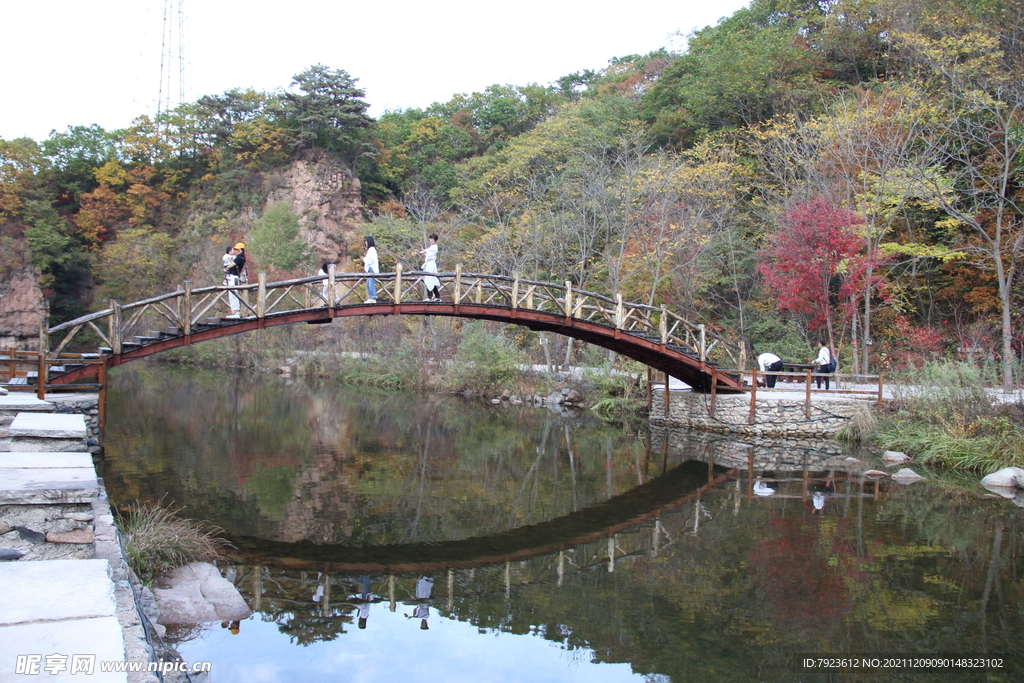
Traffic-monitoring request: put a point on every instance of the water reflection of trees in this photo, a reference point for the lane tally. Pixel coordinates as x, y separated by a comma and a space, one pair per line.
362, 467
730, 586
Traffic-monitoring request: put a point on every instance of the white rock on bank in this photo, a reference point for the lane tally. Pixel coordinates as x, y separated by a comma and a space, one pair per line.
894, 458
1006, 478
197, 593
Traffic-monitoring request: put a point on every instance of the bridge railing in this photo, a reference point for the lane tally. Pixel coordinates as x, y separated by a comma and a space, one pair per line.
192, 309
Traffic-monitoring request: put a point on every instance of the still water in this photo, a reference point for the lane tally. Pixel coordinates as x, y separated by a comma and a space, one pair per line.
389, 536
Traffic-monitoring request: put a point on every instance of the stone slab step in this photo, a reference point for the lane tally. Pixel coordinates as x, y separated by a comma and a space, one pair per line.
100, 636
50, 590
46, 486
45, 460
48, 425
23, 401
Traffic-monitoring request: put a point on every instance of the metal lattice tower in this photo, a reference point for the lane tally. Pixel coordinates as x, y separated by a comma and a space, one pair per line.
171, 91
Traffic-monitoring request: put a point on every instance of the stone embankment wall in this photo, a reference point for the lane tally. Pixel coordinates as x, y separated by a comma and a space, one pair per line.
772, 417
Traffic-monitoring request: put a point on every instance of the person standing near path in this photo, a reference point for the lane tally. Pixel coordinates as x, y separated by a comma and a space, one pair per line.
768, 362
370, 265
432, 284
824, 361
237, 266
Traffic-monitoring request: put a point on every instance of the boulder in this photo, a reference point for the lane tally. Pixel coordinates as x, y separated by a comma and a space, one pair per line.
907, 476
555, 398
197, 593
573, 396
894, 458
1006, 478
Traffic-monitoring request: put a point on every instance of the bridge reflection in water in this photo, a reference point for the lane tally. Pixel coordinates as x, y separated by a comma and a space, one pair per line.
678, 557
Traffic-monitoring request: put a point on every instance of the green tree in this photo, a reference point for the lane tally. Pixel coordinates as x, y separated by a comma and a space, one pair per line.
328, 112
275, 241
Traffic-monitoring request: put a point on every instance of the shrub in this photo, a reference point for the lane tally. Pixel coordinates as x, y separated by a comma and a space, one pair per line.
157, 541
484, 361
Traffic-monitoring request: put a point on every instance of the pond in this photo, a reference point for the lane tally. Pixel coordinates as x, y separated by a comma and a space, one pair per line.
382, 536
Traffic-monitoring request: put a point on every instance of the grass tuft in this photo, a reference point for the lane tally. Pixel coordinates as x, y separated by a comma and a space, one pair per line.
158, 541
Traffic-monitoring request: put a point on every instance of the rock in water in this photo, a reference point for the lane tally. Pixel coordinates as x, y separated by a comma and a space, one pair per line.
197, 593
907, 476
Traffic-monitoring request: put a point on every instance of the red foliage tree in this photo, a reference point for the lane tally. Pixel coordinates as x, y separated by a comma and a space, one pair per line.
813, 264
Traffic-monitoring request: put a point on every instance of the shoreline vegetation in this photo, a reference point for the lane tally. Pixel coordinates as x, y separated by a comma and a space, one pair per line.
946, 414
470, 359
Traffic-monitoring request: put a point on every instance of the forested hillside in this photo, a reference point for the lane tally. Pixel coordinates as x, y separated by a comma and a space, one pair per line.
848, 170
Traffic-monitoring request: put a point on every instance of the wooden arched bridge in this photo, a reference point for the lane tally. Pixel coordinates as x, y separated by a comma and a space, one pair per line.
651, 335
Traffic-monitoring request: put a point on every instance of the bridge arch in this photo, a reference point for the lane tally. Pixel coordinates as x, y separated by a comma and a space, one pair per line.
656, 337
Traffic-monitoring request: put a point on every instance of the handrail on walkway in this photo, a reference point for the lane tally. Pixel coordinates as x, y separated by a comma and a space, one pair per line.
40, 364
807, 376
186, 308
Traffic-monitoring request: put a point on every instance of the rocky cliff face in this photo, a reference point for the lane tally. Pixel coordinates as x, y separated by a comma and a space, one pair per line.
21, 309
326, 197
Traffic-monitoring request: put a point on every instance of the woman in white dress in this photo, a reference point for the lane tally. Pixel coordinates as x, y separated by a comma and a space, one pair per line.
371, 265
432, 284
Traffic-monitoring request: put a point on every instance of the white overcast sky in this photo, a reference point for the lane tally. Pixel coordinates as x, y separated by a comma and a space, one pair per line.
68, 62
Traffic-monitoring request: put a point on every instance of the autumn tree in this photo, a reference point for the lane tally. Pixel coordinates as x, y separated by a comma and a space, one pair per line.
976, 138
810, 265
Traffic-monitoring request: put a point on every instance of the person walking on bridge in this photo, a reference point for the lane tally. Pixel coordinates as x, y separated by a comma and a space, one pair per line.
432, 284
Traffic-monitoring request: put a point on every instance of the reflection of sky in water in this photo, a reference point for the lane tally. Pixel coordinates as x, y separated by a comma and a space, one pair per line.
394, 648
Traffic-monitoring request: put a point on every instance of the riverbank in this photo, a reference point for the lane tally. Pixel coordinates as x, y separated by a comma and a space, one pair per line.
66, 581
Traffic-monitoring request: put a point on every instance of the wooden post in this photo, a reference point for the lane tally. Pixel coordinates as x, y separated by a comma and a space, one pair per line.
458, 283
41, 376
398, 283
44, 328
753, 395
663, 325
666, 396
479, 292
807, 397
714, 389
568, 298
115, 327
332, 271
515, 292
703, 343
261, 295
185, 316
650, 390
101, 408
529, 299
879, 391
618, 311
